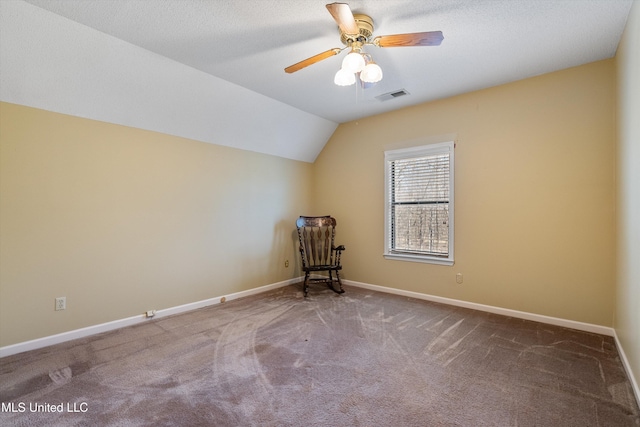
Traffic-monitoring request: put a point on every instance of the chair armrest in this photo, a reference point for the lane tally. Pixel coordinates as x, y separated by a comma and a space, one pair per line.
338, 253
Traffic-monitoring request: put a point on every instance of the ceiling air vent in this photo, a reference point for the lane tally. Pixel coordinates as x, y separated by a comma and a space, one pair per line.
390, 95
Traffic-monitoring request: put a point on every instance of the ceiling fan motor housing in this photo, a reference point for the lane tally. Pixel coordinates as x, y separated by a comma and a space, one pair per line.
365, 27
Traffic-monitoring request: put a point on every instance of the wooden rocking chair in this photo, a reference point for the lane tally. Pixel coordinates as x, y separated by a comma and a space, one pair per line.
318, 252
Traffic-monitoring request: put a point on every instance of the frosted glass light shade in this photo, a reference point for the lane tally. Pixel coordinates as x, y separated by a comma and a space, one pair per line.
372, 73
353, 63
344, 78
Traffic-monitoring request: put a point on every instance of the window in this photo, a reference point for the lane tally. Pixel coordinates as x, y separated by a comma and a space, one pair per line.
419, 203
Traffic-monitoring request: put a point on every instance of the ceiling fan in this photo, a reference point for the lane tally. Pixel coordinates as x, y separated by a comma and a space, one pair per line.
356, 31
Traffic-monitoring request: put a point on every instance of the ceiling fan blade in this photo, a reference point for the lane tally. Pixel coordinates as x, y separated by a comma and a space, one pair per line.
341, 12
309, 61
429, 38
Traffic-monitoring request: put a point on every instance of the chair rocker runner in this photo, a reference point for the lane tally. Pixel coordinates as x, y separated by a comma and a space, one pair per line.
318, 252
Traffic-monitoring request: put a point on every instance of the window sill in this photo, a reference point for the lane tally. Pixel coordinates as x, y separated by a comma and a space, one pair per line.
419, 258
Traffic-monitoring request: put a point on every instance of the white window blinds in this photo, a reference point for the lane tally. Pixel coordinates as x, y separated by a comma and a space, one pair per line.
419, 199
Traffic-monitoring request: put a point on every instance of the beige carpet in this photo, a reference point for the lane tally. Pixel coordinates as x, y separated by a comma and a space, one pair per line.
358, 359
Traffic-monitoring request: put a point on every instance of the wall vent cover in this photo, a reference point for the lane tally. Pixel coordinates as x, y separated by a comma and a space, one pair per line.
390, 95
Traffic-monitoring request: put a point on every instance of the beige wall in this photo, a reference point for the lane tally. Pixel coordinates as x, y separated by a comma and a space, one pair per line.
535, 194
121, 221
627, 318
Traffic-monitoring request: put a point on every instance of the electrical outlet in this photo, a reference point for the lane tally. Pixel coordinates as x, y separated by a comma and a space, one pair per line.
286, 263
459, 278
61, 303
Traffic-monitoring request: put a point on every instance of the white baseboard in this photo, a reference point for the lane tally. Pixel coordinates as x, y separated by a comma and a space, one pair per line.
587, 327
129, 321
627, 367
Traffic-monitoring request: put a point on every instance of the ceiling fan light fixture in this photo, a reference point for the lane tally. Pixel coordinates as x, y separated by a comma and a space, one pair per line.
344, 78
356, 31
371, 73
353, 62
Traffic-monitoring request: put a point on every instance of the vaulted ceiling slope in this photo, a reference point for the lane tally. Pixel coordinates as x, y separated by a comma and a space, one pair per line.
213, 70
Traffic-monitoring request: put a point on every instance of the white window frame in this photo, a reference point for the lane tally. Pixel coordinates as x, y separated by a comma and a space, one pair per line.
417, 152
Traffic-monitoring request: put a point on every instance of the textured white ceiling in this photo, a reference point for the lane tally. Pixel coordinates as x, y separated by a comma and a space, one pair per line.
248, 43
